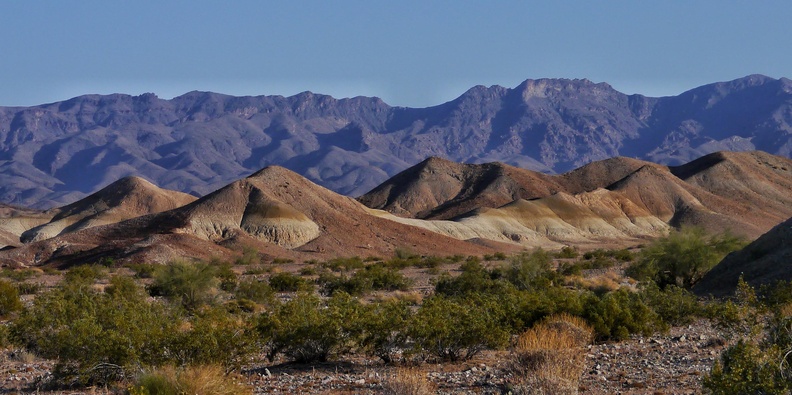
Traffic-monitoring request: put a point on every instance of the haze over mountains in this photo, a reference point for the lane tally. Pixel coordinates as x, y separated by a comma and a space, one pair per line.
55, 154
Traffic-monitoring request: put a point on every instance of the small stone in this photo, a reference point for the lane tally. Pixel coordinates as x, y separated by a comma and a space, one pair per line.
267, 372
360, 382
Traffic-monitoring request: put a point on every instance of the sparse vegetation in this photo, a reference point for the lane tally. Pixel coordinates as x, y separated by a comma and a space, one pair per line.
9, 299
549, 358
196, 380
683, 257
189, 284
405, 381
306, 329
456, 329
287, 282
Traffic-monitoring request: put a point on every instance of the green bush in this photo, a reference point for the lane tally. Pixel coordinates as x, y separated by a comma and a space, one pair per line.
250, 256
683, 257
383, 332
527, 271
189, 284
287, 282
307, 330
457, 328
85, 274
94, 336
256, 291
675, 306
474, 278
746, 369
9, 299
567, 253
344, 264
373, 278
227, 277
620, 313
143, 270
18, 274
213, 336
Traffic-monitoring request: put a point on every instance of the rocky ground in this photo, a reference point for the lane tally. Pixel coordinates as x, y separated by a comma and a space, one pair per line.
667, 363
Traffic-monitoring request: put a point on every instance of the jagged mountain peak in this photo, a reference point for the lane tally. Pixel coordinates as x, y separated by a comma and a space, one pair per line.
54, 154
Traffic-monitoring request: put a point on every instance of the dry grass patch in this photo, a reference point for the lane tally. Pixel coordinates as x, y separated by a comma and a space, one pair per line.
407, 382
550, 357
196, 380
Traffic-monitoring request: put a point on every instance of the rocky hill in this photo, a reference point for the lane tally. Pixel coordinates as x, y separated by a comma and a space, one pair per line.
747, 192
764, 261
55, 154
274, 211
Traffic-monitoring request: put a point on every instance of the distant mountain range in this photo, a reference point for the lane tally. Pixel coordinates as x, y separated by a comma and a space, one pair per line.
55, 154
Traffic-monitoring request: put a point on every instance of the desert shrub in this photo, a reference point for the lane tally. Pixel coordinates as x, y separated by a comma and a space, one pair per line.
190, 285
404, 253
308, 271
213, 336
143, 270
618, 314
744, 369
405, 381
194, 380
256, 270
474, 278
85, 274
344, 264
226, 276
549, 358
776, 294
9, 299
457, 328
683, 257
5, 340
530, 270
307, 330
375, 277
287, 282
250, 256
570, 269
26, 288
281, 261
254, 290
19, 274
674, 305
96, 337
567, 252
383, 329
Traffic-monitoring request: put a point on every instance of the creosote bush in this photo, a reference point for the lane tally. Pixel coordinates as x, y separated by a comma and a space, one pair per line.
99, 337
96, 337
307, 329
188, 284
683, 257
456, 329
9, 299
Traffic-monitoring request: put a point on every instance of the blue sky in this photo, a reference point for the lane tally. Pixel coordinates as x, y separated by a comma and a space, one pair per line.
409, 53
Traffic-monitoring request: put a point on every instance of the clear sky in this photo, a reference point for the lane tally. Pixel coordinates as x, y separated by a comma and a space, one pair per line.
409, 53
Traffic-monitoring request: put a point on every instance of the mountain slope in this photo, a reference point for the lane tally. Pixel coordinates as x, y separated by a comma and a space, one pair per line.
747, 192
126, 198
57, 153
764, 261
275, 211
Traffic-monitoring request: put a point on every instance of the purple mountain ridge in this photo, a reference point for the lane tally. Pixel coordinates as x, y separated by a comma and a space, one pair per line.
54, 154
